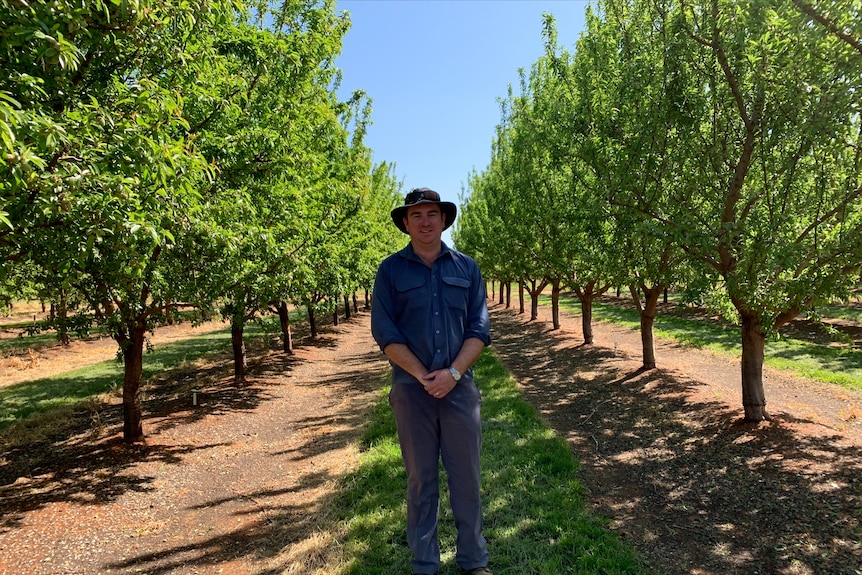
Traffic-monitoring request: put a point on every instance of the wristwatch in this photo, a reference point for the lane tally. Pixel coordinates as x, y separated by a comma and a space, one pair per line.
456, 375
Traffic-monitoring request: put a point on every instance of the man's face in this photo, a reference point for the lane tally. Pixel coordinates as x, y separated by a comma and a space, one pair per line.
424, 223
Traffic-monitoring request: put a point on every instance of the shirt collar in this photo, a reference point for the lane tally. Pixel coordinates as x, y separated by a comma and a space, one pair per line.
408, 252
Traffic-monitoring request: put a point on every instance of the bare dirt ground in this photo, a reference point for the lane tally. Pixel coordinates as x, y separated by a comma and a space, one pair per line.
240, 483
667, 459
51, 359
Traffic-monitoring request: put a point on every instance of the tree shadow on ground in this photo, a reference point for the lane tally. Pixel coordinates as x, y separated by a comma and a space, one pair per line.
693, 488
280, 527
83, 460
266, 530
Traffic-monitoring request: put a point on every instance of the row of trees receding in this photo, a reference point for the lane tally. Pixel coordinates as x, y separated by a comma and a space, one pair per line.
709, 145
159, 156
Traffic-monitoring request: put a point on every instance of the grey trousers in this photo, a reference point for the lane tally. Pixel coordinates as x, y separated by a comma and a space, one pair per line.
428, 429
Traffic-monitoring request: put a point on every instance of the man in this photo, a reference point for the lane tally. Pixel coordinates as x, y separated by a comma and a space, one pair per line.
430, 318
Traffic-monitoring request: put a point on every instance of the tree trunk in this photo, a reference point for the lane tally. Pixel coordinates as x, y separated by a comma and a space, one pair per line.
346, 307
521, 308
284, 321
62, 319
312, 321
367, 300
587, 294
536, 288
237, 326
555, 303
587, 318
335, 314
508, 295
132, 347
753, 343
647, 311
501, 298
355, 303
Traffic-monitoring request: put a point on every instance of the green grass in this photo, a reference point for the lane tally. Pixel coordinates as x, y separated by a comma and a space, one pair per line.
80, 386
20, 344
851, 310
852, 313
839, 365
49, 336
535, 516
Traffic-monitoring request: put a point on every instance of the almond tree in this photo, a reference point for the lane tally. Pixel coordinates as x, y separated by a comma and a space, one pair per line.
776, 166
515, 192
286, 171
766, 196
373, 237
580, 248
627, 132
110, 184
101, 181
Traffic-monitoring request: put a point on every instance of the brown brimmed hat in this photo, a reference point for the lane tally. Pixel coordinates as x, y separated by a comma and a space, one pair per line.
423, 196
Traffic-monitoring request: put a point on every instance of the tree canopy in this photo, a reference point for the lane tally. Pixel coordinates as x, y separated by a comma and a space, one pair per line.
161, 155
711, 144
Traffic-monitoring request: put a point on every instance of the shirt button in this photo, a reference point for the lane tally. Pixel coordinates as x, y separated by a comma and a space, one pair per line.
438, 331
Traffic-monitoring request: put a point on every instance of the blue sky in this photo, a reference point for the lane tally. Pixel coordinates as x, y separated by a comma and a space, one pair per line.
435, 70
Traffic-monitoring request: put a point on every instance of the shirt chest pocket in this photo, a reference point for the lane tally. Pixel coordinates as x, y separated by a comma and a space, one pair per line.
456, 293
410, 295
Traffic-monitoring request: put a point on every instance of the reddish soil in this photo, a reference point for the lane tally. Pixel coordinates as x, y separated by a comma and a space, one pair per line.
237, 484
240, 483
666, 458
48, 360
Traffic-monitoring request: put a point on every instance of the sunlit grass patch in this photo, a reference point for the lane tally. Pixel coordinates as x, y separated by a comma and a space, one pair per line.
536, 520
846, 312
21, 343
75, 387
838, 365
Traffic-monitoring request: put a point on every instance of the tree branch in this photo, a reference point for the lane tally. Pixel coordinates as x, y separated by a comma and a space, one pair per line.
806, 8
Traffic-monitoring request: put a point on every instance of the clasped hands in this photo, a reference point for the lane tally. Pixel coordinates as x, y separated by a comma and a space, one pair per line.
438, 383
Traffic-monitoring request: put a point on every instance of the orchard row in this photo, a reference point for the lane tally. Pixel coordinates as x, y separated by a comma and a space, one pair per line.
170, 155
711, 146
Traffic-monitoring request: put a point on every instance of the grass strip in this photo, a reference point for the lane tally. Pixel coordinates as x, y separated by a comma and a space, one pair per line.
838, 365
80, 386
43, 336
536, 520
21, 343
849, 312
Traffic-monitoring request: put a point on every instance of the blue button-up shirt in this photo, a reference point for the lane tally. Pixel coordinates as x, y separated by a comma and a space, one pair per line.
430, 310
